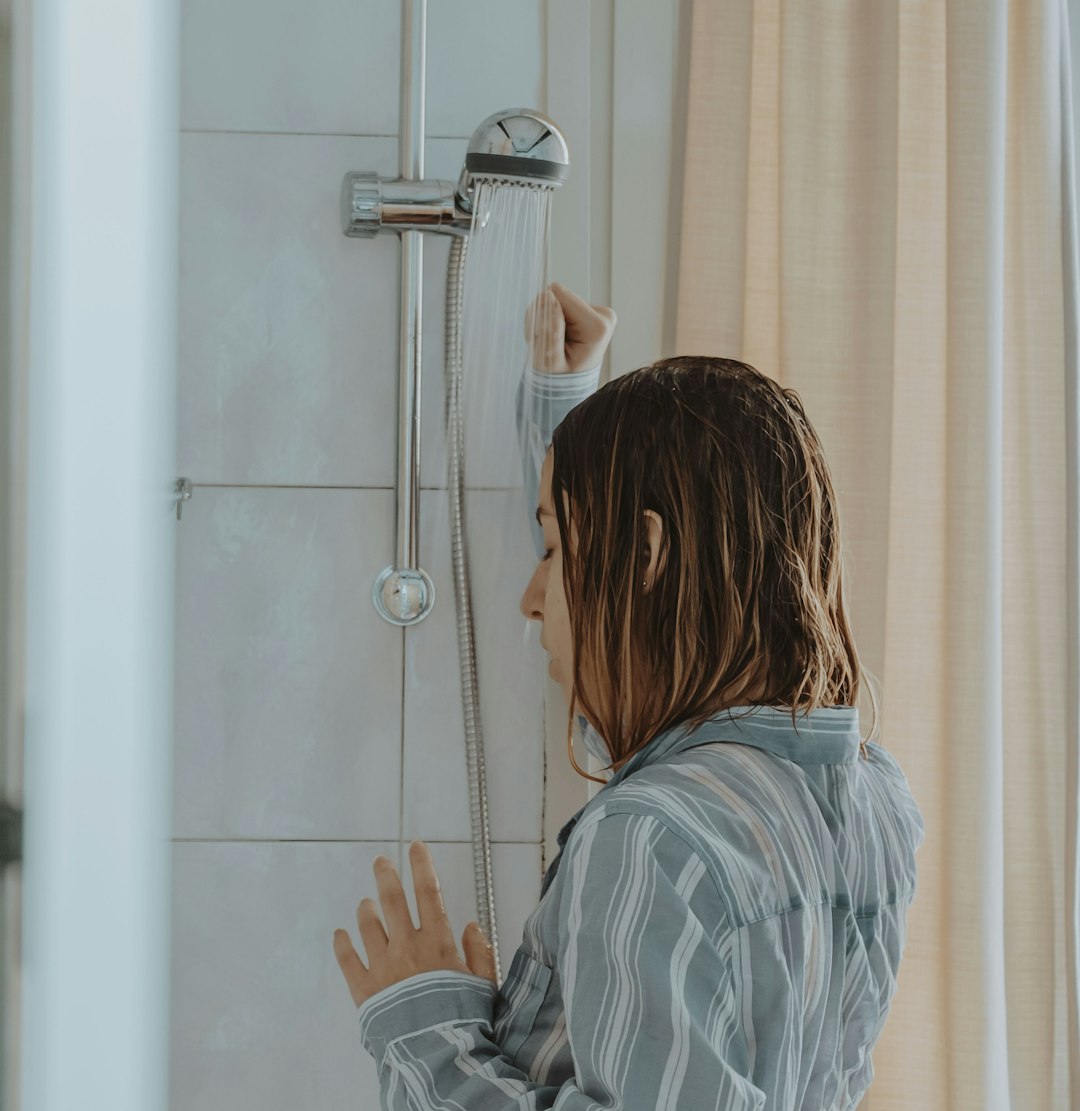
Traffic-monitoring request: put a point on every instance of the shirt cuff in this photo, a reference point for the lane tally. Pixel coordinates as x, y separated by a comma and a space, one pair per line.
442, 997
556, 386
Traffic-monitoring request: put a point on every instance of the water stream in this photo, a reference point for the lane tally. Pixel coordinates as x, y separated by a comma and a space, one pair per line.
505, 268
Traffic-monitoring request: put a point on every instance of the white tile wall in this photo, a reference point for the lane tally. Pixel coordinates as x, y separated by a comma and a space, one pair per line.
511, 676
288, 328
288, 700
310, 734
332, 66
262, 1017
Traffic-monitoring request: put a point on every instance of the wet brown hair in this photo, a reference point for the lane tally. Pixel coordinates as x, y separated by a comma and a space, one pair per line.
748, 587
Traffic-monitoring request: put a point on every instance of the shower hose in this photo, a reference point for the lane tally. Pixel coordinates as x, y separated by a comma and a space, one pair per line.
470, 696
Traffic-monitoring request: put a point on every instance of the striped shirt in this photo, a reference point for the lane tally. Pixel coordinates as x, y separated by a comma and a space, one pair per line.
721, 929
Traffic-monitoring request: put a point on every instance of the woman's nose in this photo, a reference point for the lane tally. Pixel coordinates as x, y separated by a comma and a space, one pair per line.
530, 601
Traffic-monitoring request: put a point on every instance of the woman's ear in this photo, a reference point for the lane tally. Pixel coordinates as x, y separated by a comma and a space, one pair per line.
654, 535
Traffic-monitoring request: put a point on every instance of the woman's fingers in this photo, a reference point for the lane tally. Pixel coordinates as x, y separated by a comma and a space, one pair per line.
558, 303
546, 333
352, 967
542, 315
372, 932
479, 955
583, 321
565, 332
395, 906
429, 900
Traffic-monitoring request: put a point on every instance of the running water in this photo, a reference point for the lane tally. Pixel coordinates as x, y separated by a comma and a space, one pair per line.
506, 267
503, 677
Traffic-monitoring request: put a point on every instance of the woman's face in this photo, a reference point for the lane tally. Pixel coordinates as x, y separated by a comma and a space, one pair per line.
544, 600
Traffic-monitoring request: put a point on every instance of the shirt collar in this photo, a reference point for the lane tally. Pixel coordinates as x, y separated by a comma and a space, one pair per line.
825, 735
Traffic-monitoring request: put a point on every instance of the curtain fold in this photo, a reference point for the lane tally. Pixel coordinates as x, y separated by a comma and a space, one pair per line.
879, 211
1070, 281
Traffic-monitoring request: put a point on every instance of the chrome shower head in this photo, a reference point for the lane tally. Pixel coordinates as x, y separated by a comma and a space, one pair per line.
518, 145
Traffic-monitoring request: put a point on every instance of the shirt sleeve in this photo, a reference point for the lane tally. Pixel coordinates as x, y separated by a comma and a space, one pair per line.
651, 1017
542, 401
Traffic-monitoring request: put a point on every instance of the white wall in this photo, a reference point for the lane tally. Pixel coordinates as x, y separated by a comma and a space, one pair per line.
311, 735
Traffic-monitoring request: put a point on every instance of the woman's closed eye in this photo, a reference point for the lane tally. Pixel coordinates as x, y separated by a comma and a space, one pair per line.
547, 553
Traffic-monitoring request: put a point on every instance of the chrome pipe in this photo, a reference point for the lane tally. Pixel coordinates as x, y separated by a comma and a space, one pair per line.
404, 594
411, 167
413, 80
411, 159
409, 341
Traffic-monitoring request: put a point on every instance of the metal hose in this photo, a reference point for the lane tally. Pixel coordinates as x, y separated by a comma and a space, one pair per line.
470, 694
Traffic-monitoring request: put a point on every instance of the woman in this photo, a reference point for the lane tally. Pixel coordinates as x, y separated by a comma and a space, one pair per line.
723, 925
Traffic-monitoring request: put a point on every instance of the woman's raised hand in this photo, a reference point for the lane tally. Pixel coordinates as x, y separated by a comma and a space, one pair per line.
565, 333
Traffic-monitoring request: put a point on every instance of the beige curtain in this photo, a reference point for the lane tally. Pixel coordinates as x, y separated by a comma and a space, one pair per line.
879, 212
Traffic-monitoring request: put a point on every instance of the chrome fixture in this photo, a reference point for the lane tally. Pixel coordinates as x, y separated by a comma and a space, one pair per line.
517, 145
521, 147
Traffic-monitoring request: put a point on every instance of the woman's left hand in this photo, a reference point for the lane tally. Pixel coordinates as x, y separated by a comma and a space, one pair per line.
406, 950
566, 333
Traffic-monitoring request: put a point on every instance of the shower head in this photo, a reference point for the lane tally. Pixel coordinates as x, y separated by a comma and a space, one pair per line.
517, 145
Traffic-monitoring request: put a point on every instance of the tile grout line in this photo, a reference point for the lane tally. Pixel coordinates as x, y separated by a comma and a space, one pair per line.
324, 841
312, 134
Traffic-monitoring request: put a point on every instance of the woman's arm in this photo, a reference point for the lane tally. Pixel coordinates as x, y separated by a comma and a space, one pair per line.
567, 339
653, 1009
542, 402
